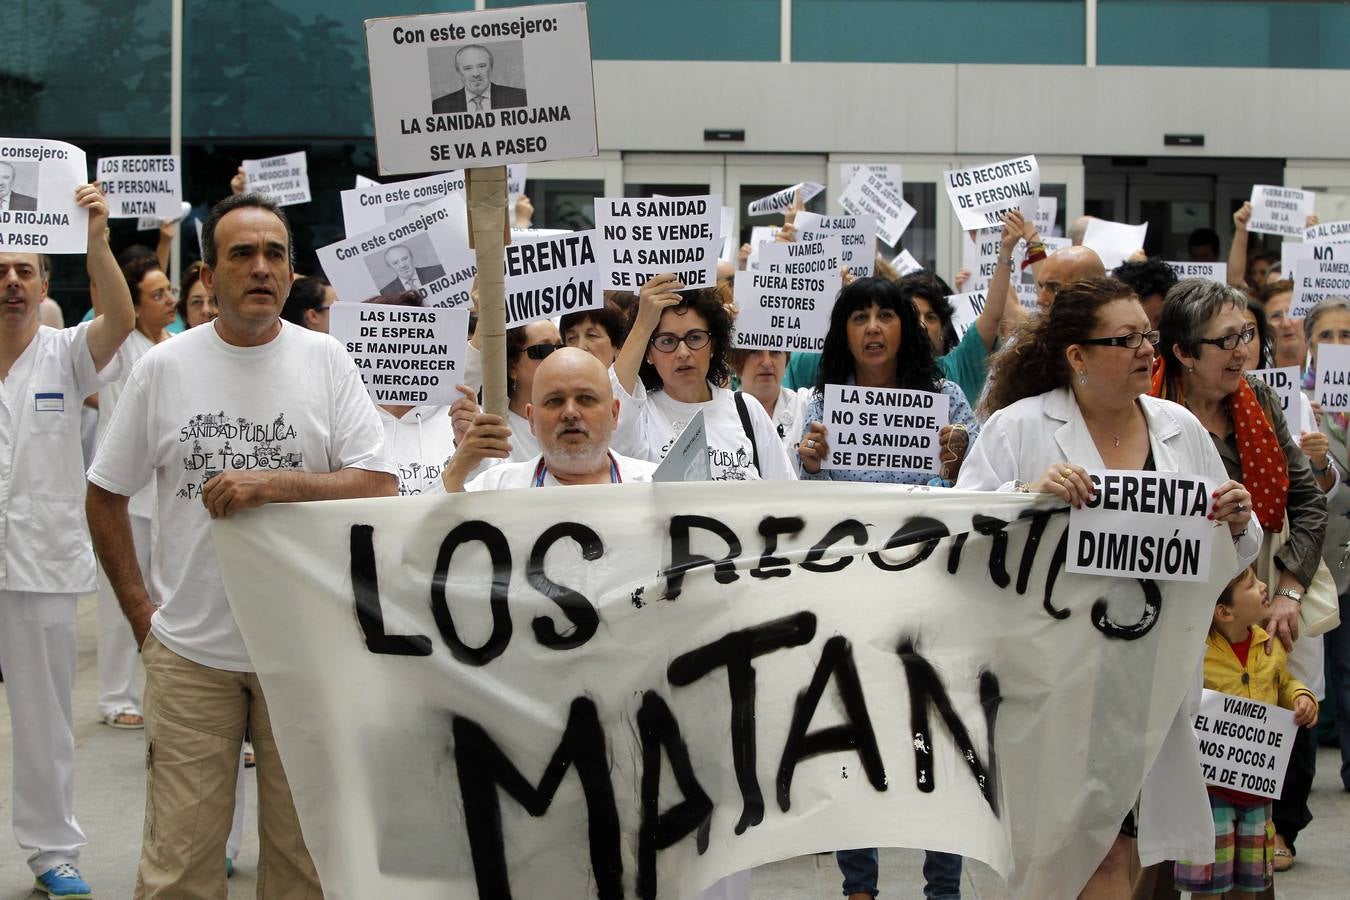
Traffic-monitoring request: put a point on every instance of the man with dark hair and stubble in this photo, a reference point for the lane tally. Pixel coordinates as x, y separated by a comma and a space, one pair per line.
480, 93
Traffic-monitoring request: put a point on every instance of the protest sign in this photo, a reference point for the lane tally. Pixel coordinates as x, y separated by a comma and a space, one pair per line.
884, 428
786, 304
142, 186
41, 215
889, 172
857, 235
1297, 254
1328, 233
367, 208
1244, 744
1114, 241
515, 179
1210, 271
1333, 377
779, 201
728, 226
641, 237
1047, 208
966, 308
1285, 382
150, 223
405, 355
552, 276
1325, 274
869, 194
488, 88
918, 650
424, 251
905, 263
283, 178
687, 459
1280, 210
759, 236
1143, 525
980, 194
979, 256
364, 182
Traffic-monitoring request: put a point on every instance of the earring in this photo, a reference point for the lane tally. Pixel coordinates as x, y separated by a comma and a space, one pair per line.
1190, 370
1082, 377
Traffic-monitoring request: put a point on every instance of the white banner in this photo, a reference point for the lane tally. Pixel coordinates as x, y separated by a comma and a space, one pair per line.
869, 194
367, 208
552, 276
1144, 525
857, 235
642, 237
142, 186
1333, 377
1211, 271
465, 89
1280, 210
283, 178
981, 194
779, 201
884, 428
589, 692
1244, 744
1114, 241
39, 178
966, 308
1285, 382
1328, 233
786, 304
405, 355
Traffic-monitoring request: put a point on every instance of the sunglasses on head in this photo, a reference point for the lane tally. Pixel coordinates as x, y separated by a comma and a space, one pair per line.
541, 351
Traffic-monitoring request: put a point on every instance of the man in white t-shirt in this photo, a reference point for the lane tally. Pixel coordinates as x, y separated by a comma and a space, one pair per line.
45, 558
572, 412
245, 411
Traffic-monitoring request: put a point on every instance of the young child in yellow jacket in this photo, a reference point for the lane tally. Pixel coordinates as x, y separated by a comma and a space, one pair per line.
1236, 663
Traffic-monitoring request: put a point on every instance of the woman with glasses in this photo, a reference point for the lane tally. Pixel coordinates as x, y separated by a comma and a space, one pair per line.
674, 364
1291, 347
526, 347
198, 305
1071, 394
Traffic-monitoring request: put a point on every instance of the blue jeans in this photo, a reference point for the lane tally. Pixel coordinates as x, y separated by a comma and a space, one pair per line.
941, 872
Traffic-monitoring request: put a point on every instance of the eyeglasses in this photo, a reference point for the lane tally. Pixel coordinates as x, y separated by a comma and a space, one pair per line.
541, 351
163, 293
1132, 340
667, 341
1230, 341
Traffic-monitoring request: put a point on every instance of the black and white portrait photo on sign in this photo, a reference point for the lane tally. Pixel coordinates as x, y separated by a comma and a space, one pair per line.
477, 77
18, 184
408, 266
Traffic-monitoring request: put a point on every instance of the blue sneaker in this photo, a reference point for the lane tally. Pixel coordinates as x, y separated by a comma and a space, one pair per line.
64, 881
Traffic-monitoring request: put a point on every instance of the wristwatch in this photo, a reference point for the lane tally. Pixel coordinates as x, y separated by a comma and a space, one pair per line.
1292, 594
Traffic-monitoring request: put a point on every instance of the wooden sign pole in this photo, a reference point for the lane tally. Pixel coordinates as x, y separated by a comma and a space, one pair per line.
489, 233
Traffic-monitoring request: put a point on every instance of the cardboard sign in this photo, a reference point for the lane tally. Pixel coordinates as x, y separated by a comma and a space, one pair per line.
406, 355
642, 237
1244, 744
1328, 233
552, 276
1326, 274
966, 308
466, 89
425, 251
869, 194
367, 208
1280, 210
980, 194
779, 201
1333, 377
889, 173
905, 263
142, 186
687, 459
1285, 382
786, 304
857, 235
1143, 525
283, 178
884, 428
1114, 241
1047, 208
38, 212
1211, 271
979, 256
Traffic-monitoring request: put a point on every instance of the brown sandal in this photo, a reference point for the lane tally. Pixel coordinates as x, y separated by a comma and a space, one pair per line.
1284, 857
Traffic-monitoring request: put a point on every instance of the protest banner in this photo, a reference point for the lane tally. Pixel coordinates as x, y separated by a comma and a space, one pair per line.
1325, 274
884, 428
1333, 377
786, 304
857, 236
979, 256
966, 308
405, 355
367, 208
150, 223
1285, 382
980, 194
551, 693
1280, 210
891, 173
779, 201
424, 251
283, 178
1244, 744
687, 459
1047, 208
1210, 271
642, 237
1328, 233
141, 186
487, 88
1143, 525
869, 194
759, 236
1114, 241
552, 276
905, 263
42, 215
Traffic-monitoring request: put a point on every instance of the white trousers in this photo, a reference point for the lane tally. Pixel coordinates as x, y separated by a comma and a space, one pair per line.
119, 662
733, 887
39, 657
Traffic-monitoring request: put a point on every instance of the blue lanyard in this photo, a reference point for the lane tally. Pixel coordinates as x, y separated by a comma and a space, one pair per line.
540, 471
